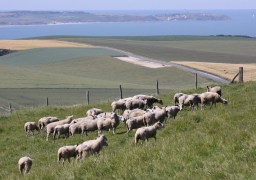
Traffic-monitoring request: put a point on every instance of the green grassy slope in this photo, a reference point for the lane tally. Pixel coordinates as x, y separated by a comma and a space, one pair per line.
179, 48
210, 144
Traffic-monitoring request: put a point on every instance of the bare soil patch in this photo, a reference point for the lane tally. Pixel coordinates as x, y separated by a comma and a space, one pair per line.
31, 44
140, 62
223, 69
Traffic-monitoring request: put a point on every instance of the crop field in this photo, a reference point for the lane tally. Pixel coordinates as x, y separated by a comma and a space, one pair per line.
217, 143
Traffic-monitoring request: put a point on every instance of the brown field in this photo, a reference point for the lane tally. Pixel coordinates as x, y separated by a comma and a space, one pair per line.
223, 69
30, 44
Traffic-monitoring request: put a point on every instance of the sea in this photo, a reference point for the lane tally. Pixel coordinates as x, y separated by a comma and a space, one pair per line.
243, 22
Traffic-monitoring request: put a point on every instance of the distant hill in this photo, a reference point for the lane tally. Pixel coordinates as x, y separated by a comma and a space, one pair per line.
64, 17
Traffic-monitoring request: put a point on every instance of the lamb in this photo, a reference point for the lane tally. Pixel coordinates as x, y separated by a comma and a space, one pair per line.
50, 127
215, 89
189, 100
30, 126
66, 152
120, 105
144, 133
44, 121
135, 103
91, 146
108, 123
134, 123
211, 97
172, 111
25, 163
94, 111
61, 129
176, 97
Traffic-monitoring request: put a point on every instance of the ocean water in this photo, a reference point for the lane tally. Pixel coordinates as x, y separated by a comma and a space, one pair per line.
243, 23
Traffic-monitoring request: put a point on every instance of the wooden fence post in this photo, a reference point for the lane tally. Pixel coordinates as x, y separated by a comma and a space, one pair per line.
196, 81
87, 97
121, 93
157, 89
241, 74
47, 102
10, 108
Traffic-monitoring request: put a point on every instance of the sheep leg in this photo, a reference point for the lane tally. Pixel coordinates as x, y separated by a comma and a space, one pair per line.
114, 131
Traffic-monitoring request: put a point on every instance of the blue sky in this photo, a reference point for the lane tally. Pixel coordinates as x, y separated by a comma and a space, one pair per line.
124, 4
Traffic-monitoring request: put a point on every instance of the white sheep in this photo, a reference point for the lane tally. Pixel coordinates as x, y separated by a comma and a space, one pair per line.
66, 152
211, 97
25, 163
90, 125
118, 105
50, 127
149, 99
44, 121
91, 146
108, 123
144, 133
94, 111
172, 111
132, 113
216, 89
135, 103
177, 96
189, 100
134, 123
61, 129
30, 127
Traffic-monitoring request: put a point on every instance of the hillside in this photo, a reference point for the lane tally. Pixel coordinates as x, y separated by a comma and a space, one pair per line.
210, 144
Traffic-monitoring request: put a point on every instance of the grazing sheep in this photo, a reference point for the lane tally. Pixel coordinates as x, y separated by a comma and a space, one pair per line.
118, 105
66, 152
90, 125
108, 123
133, 113
144, 133
91, 146
150, 100
135, 103
211, 97
61, 129
189, 100
149, 118
177, 96
50, 127
158, 114
30, 126
44, 121
94, 111
134, 123
25, 163
172, 111
215, 89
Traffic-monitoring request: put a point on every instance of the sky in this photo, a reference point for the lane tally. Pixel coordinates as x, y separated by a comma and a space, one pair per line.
72, 5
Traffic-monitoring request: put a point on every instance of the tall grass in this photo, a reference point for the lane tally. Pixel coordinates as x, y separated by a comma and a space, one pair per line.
210, 144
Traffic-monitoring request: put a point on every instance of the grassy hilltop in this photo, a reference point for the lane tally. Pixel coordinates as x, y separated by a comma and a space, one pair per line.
211, 144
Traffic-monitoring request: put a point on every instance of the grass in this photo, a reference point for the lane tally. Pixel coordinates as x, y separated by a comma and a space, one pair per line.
210, 144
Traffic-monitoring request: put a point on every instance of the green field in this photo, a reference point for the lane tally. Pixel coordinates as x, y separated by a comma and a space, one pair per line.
211, 144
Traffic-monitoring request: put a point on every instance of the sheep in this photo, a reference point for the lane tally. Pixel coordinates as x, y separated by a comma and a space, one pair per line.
120, 105
30, 126
25, 163
91, 146
134, 123
135, 103
144, 133
158, 114
215, 89
149, 99
108, 123
61, 129
133, 113
66, 152
90, 125
189, 100
176, 97
50, 127
94, 111
172, 111
211, 97
44, 121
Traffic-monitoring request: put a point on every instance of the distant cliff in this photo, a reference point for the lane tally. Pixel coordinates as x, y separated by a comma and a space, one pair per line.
64, 17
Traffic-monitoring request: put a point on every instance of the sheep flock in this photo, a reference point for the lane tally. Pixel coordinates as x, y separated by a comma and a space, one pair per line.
139, 113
